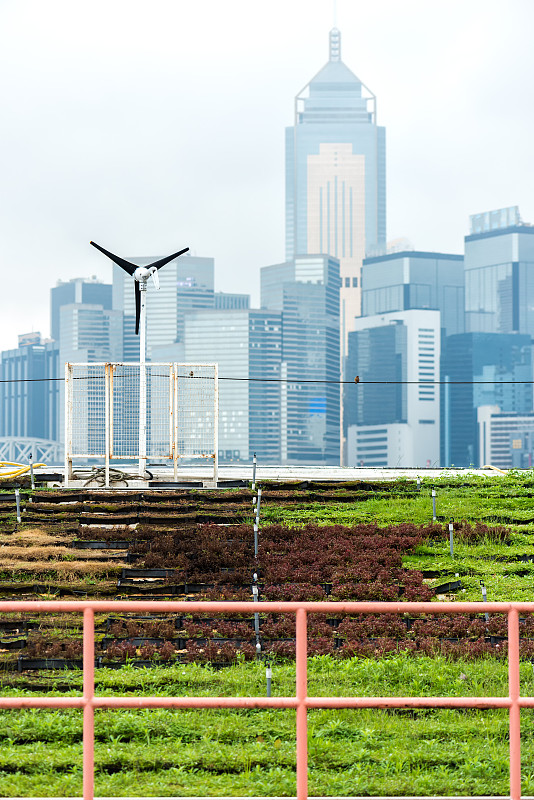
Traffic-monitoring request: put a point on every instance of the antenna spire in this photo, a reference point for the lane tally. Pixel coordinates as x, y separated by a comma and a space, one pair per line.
335, 45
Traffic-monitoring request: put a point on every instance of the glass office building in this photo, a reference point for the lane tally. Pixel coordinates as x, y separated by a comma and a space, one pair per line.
499, 274
185, 283
394, 424
413, 279
28, 400
306, 293
336, 174
78, 290
481, 369
247, 346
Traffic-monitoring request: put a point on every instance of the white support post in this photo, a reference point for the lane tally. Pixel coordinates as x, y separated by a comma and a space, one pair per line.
142, 381
216, 426
68, 424
175, 432
107, 418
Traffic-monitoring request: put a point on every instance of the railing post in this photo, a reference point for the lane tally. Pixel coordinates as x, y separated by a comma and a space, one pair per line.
514, 690
88, 709
302, 710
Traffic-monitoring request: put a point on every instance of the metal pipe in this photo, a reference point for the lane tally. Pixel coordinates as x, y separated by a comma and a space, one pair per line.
88, 708
434, 517
451, 540
269, 677
31, 474
514, 692
254, 462
302, 709
142, 380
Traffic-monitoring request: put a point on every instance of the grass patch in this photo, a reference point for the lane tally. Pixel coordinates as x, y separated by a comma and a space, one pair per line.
203, 752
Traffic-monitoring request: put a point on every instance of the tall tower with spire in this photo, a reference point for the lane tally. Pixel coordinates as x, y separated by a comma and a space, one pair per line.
336, 176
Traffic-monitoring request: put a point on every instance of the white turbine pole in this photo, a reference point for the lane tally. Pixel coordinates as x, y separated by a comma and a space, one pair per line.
142, 380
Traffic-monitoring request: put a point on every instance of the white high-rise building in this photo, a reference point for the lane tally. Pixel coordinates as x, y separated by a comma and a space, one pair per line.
393, 412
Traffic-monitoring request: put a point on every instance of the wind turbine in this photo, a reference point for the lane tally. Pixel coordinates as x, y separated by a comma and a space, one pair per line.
141, 276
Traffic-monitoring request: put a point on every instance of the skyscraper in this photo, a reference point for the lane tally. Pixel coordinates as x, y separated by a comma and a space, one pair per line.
185, 283
78, 290
499, 273
481, 369
335, 176
28, 398
246, 344
396, 424
414, 279
306, 292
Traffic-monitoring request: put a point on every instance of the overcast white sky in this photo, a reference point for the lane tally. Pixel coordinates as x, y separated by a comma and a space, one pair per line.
150, 126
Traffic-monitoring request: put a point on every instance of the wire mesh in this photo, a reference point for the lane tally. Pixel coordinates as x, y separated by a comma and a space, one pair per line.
125, 410
87, 410
181, 410
196, 410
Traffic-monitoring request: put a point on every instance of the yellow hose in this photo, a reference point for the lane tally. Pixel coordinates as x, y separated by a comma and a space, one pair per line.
20, 469
496, 469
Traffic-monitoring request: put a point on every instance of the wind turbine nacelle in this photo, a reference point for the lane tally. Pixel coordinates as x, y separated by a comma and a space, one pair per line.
142, 274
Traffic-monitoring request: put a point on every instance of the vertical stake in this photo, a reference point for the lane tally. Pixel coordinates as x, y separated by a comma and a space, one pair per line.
31, 473
433, 505
254, 462
258, 507
269, 677
484, 599
451, 541
17, 501
256, 615
418, 483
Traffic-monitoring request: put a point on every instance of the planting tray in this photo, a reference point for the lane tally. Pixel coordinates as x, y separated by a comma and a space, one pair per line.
83, 544
139, 641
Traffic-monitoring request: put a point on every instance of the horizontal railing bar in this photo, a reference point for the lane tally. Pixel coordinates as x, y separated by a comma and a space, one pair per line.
410, 702
264, 702
41, 702
274, 607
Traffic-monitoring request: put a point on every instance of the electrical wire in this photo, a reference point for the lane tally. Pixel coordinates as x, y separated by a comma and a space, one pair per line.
423, 381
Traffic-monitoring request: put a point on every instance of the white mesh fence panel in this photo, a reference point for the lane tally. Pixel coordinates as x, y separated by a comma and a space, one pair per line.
88, 410
196, 410
125, 410
102, 406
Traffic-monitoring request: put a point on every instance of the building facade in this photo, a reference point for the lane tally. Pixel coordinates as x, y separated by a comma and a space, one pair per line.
305, 291
335, 175
89, 291
247, 346
499, 274
29, 395
505, 441
481, 369
413, 279
393, 412
185, 283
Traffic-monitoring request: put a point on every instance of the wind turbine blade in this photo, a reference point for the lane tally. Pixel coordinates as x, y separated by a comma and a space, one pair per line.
161, 263
137, 306
127, 266
155, 279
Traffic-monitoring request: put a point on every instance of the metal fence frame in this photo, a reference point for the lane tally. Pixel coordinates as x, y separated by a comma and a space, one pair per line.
301, 702
107, 374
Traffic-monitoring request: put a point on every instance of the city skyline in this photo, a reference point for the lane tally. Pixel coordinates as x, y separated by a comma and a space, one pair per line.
69, 174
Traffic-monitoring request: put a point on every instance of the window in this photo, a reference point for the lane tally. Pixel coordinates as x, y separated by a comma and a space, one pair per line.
355, 283
347, 283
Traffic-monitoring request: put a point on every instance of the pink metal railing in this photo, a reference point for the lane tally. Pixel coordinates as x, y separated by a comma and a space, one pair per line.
301, 702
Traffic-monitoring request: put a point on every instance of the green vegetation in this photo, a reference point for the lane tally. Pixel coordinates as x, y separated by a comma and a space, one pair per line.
159, 752
497, 500
237, 752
